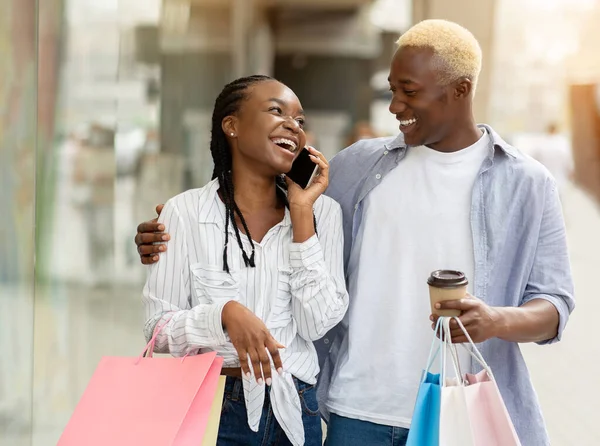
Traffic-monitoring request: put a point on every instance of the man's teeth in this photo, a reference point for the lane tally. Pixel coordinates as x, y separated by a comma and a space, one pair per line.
289, 144
408, 122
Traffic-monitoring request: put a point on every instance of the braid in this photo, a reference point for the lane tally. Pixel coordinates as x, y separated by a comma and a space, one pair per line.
227, 103
234, 209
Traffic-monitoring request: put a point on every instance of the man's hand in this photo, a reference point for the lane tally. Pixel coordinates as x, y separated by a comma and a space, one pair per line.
150, 239
481, 321
250, 337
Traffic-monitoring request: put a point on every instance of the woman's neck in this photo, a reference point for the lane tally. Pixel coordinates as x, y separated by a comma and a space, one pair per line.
254, 193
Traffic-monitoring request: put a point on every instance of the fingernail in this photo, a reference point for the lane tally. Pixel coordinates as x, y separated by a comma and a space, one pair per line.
165, 237
438, 306
162, 248
269, 381
248, 375
161, 227
280, 371
155, 258
260, 381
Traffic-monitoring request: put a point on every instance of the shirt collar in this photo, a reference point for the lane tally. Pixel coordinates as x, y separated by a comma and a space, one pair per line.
497, 142
210, 207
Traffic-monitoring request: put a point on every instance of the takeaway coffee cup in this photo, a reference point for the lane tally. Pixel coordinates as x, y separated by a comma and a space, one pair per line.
445, 284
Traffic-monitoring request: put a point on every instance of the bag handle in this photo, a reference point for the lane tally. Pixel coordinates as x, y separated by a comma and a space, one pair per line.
449, 346
474, 351
149, 349
437, 341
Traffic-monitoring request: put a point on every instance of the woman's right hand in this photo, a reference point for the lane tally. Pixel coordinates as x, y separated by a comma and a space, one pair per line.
250, 337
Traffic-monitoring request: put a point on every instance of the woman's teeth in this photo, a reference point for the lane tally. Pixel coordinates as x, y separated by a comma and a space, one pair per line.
287, 144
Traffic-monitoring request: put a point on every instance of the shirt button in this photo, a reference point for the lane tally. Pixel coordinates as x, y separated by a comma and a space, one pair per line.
378, 176
326, 341
386, 152
355, 207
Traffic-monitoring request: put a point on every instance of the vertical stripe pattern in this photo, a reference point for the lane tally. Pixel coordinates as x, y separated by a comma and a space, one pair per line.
297, 289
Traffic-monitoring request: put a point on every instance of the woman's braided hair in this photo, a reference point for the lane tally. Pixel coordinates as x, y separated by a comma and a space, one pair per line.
228, 103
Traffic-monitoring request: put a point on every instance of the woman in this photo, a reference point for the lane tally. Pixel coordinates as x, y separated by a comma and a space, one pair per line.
246, 274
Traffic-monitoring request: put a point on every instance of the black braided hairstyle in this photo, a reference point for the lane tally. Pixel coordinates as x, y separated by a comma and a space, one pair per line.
228, 103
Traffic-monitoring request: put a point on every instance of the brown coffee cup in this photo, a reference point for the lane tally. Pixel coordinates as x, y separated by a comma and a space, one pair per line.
444, 285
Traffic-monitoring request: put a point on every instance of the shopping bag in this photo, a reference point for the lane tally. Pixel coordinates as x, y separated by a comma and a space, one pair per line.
146, 401
489, 422
424, 427
211, 433
455, 424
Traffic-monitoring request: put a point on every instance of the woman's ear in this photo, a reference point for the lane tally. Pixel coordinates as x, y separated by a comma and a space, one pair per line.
229, 126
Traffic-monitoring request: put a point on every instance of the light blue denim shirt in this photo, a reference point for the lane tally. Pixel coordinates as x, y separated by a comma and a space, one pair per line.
520, 254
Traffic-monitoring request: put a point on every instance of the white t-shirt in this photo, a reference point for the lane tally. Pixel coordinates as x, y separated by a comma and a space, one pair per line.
417, 221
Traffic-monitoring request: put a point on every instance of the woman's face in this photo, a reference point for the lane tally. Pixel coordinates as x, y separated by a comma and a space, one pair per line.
268, 129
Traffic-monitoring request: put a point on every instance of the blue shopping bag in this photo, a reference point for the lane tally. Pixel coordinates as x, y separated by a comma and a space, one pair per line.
425, 425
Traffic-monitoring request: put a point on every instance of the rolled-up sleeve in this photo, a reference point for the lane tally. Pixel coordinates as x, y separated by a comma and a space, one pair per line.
167, 295
551, 278
319, 296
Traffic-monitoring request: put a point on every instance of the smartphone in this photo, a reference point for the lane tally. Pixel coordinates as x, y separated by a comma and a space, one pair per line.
304, 170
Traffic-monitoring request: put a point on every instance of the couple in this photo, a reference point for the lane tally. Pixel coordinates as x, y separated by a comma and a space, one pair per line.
257, 268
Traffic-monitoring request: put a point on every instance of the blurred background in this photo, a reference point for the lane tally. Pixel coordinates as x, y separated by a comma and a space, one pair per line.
105, 110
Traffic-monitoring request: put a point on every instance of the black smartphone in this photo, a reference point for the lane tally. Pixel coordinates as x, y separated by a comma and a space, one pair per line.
303, 170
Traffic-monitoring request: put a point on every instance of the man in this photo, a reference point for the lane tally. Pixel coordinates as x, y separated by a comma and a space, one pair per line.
444, 194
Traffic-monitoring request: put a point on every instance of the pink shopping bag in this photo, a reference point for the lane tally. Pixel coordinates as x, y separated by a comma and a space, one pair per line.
490, 421
146, 401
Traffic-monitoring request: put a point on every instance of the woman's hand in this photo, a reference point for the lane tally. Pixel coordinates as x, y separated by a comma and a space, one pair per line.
250, 337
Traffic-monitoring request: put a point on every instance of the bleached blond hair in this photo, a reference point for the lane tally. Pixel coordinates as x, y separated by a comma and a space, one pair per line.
456, 52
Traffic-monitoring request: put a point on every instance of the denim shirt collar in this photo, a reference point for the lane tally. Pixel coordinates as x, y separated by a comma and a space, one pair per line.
497, 143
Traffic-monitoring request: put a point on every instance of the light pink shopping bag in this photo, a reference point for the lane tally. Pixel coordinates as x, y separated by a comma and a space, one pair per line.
146, 401
490, 421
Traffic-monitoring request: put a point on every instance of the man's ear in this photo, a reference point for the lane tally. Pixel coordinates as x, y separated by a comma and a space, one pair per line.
229, 126
463, 87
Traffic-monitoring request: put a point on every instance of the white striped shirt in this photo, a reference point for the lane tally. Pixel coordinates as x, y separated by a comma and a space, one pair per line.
297, 289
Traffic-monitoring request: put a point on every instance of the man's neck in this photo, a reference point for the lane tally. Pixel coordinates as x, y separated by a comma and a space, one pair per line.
464, 137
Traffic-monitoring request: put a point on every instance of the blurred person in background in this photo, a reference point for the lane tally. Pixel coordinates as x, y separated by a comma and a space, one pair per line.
246, 273
360, 130
94, 173
311, 137
444, 193
553, 150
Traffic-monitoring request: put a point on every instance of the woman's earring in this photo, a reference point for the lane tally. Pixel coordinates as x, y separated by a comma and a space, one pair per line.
231, 134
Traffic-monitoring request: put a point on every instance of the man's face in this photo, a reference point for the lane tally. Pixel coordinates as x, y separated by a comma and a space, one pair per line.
426, 110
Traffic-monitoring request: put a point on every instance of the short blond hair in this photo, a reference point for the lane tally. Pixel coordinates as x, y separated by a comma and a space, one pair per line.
456, 51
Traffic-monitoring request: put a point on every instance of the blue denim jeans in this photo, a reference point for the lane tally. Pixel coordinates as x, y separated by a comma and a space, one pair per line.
234, 430
342, 431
